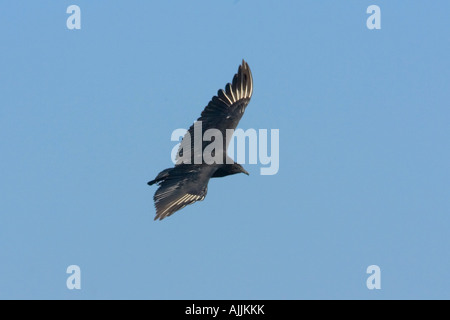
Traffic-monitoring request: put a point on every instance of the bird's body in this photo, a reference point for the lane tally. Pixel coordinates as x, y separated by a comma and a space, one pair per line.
187, 182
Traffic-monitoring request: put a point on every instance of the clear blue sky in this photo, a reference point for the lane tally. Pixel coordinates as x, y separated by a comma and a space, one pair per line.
364, 119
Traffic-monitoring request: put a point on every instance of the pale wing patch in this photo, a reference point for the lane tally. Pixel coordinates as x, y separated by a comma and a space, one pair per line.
250, 85
242, 86
223, 101
226, 96
232, 94
195, 197
183, 201
173, 204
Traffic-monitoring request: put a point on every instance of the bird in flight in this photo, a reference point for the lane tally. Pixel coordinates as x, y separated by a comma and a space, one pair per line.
187, 182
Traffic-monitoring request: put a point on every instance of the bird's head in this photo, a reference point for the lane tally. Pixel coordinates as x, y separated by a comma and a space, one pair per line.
237, 168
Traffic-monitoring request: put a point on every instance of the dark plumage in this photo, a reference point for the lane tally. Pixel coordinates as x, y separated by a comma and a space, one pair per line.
187, 183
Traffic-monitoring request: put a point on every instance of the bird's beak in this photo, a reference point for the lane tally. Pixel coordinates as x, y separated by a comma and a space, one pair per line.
245, 172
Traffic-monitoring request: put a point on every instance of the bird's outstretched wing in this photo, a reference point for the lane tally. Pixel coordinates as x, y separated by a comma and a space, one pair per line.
179, 187
223, 112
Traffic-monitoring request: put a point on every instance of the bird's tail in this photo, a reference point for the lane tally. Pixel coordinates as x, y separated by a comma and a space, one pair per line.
161, 176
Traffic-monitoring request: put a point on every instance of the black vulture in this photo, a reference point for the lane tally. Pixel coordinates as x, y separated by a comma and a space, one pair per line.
187, 182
